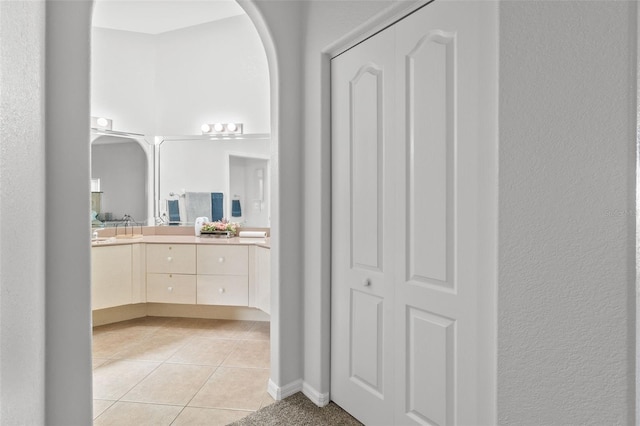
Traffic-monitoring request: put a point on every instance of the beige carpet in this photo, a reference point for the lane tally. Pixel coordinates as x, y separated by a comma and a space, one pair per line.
298, 410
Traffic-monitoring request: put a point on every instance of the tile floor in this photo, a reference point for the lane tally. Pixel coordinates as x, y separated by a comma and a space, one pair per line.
179, 371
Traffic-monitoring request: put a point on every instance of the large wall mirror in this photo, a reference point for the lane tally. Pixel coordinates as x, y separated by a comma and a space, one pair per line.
164, 79
119, 169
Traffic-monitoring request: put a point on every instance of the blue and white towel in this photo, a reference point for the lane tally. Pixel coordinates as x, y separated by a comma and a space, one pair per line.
236, 210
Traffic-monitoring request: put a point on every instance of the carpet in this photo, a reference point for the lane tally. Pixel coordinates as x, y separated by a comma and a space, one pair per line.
298, 410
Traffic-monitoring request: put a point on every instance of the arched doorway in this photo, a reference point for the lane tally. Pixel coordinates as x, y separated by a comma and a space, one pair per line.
68, 272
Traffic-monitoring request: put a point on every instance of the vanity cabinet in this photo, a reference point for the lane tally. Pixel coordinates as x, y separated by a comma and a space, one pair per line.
111, 276
204, 274
171, 270
222, 275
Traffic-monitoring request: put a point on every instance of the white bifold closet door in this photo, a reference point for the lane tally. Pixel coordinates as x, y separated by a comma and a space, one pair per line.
413, 241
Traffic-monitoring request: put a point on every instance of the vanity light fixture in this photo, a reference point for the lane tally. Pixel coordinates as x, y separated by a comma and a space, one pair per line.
101, 123
222, 129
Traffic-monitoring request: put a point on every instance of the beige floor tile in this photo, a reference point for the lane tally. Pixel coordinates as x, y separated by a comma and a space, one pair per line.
154, 348
113, 379
100, 405
192, 416
130, 413
137, 327
223, 329
105, 345
204, 351
259, 331
170, 384
234, 388
249, 353
97, 362
267, 400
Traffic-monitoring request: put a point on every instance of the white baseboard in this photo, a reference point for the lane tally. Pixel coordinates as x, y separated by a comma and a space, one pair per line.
320, 399
279, 393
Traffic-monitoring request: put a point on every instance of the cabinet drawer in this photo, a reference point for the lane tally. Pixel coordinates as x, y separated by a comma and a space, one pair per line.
223, 260
171, 258
171, 288
223, 290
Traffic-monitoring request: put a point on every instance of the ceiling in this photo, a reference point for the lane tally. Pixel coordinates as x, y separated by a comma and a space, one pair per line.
159, 16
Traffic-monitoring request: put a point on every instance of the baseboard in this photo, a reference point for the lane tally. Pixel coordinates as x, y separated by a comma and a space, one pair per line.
281, 392
119, 313
320, 399
206, 311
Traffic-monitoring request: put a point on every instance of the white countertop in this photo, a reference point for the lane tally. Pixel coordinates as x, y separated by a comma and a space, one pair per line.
182, 239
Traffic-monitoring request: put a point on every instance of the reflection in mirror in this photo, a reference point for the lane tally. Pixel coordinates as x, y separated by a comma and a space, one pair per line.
121, 166
249, 191
195, 178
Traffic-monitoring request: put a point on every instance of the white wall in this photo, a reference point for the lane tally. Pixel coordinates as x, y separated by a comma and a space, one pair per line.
123, 80
567, 157
173, 82
22, 213
214, 72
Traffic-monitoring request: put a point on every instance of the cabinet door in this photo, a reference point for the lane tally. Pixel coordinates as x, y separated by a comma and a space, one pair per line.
223, 290
263, 279
111, 273
171, 258
171, 288
223, 260
138, 276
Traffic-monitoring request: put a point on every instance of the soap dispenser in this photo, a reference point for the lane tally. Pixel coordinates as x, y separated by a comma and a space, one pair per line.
199, 222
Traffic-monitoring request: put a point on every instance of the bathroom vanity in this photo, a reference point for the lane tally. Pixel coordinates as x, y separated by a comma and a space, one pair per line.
181, 270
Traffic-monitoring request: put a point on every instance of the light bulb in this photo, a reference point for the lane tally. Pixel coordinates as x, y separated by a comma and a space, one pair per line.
232, 127
205, 128
102, 122
218, 127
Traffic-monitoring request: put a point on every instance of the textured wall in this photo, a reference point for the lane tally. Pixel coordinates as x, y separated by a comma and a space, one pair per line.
22, 213
566, 275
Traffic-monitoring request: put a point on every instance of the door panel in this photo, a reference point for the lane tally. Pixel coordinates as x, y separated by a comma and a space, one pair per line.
437, 298
430, 99
365, 139
362, 200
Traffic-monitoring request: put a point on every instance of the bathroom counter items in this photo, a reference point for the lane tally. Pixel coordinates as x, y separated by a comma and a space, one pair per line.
184, 239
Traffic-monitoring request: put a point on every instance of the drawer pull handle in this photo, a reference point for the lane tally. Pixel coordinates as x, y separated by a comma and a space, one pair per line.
366, 282
221, 259
169, 259
170, 288
221, 290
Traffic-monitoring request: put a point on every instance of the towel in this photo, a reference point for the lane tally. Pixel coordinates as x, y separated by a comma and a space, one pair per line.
217, 212
197, 204
174, 210
236, 211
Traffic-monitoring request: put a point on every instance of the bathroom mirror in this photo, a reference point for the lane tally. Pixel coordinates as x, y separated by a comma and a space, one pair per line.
122, 167
214, 178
